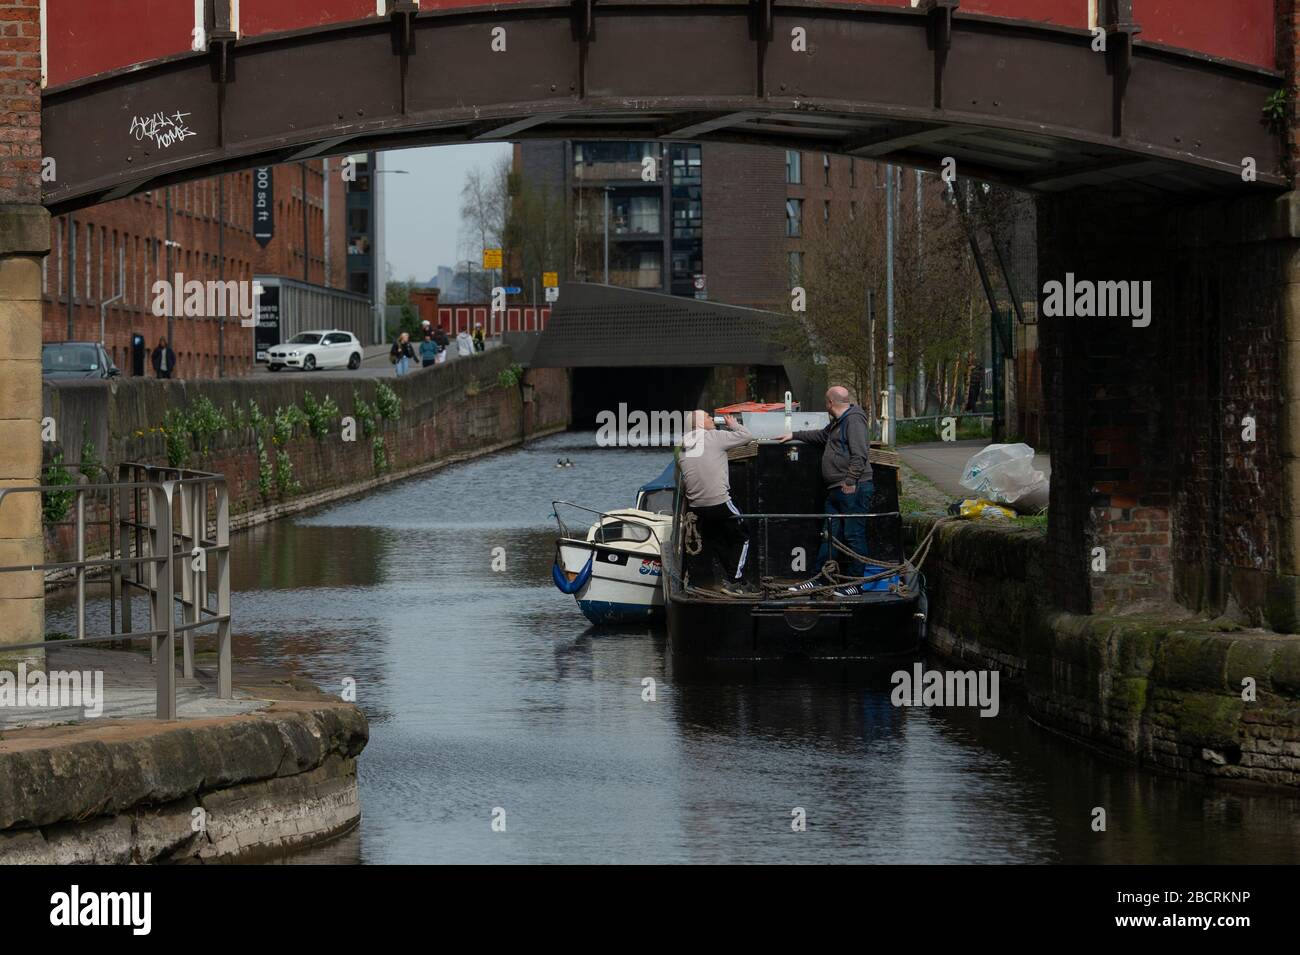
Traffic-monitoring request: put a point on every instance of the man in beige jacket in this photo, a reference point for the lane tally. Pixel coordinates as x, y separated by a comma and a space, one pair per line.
707, 485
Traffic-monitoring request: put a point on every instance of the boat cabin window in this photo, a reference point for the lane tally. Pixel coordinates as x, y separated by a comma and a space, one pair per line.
656, 502
612, 531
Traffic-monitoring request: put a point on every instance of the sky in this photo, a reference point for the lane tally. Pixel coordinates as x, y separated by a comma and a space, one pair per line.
422, 209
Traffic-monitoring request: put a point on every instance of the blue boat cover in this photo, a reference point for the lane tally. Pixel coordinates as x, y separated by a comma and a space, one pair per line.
664, 482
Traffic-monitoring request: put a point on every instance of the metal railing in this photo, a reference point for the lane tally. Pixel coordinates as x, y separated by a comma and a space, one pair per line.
160, 521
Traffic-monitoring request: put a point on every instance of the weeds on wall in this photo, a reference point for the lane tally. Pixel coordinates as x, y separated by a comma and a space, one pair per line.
387, 403
92, 466
320, 415
365, 414
510, 377
55, 504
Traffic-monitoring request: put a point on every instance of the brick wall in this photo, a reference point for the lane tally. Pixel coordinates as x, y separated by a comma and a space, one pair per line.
448, 411
1149, 461
20, 104
1164, 693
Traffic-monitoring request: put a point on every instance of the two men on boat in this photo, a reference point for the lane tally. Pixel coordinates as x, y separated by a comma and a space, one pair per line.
719, 531
846, 469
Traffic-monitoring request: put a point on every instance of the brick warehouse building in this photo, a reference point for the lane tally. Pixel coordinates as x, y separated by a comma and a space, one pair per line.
211, 238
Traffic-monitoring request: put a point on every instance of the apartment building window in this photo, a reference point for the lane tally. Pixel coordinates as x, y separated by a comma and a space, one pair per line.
826, 169
635, 215
796, 268
686, 165
794, 167
794, 218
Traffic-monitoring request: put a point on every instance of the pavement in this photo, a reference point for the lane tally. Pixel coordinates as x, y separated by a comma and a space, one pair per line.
942, 463
128, 690
375, 364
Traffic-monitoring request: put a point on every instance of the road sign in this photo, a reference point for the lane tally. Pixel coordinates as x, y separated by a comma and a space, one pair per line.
513, 290
701, 287
492, 258
551, 279
552, 294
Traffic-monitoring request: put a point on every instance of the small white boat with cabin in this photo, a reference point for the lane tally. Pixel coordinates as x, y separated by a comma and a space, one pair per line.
614, 568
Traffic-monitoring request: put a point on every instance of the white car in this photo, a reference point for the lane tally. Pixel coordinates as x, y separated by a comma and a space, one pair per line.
318, 349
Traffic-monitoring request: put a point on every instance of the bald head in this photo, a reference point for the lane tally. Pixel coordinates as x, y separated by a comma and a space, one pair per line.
838, 399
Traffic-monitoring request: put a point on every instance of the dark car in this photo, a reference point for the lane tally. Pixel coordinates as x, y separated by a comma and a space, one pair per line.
76, 360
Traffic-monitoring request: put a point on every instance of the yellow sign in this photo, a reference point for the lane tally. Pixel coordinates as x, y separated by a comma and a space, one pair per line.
550, 280
491, 258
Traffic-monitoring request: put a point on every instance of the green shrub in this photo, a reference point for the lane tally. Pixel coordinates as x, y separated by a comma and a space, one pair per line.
380, 454
91, 465
265, 473
55, 504
286, 419
205, 421
387, 403
285, 483
364, 412
511, 376
319, 414
175, 427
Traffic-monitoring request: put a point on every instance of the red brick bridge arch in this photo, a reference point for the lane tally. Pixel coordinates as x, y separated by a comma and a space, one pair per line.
144, 92
1137, 152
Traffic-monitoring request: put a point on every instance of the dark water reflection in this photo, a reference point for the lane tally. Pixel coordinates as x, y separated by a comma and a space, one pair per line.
489, 690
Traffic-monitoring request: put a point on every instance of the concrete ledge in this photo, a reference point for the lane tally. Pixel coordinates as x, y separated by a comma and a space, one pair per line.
24, 229
128, 790
1164, 689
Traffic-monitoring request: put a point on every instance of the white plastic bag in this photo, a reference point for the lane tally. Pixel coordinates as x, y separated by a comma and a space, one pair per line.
1005, 474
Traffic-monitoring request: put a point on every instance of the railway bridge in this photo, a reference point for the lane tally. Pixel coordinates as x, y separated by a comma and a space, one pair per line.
1159, 136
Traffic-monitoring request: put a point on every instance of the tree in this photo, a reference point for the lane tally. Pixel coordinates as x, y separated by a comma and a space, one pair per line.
485, 202
936, 299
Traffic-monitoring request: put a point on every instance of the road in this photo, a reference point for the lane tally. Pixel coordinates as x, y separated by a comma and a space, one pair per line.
374, 365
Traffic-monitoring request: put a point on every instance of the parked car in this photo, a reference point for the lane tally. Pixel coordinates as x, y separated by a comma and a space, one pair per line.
317, 349
76, 360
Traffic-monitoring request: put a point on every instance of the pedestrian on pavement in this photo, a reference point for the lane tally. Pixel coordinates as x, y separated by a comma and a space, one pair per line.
443, 342
428, 350
707, 485
402, 354
479, 344
846, 469
164, 359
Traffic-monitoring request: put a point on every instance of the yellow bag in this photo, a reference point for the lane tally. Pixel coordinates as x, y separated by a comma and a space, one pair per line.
985, 510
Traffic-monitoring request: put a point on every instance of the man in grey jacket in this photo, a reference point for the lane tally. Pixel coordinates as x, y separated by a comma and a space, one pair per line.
706, 482
846, 469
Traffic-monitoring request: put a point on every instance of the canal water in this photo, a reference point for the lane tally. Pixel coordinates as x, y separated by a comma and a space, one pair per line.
488, 691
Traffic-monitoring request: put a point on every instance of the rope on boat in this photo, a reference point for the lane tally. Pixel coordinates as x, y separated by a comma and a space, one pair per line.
830, 570
693, 542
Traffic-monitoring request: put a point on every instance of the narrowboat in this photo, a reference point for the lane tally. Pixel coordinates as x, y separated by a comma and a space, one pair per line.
779, 491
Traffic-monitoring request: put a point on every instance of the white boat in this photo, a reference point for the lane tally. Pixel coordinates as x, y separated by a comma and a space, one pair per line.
614, 569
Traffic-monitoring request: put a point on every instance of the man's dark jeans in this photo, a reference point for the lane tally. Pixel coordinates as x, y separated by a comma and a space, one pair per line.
852, 534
